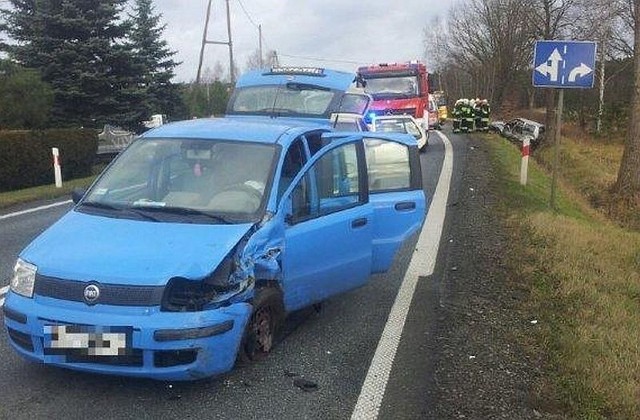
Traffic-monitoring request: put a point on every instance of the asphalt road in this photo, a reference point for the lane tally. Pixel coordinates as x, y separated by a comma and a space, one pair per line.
332, 347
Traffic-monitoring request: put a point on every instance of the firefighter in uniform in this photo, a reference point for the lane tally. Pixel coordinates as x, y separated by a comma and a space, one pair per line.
485, 113
477, 114
457, 116
467, 116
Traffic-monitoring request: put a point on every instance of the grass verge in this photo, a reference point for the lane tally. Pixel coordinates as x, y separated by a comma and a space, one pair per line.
583, 275
43, 192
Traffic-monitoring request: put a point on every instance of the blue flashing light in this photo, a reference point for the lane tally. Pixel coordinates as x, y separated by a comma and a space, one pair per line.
370, 117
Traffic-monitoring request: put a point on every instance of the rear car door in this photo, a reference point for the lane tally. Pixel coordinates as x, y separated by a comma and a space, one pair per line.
328, 225
395, 191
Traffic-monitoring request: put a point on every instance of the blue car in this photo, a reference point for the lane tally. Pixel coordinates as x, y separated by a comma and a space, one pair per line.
190, 249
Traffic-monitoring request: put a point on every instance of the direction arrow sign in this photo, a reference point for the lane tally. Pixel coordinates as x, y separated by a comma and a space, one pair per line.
564, 64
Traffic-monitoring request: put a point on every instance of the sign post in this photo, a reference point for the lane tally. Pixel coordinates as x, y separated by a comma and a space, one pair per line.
562, 65
57, 171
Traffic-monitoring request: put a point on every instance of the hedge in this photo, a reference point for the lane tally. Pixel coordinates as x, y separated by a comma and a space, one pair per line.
26, 160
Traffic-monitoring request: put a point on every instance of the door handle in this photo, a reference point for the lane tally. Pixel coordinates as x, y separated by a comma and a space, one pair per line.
405, 205
357, 223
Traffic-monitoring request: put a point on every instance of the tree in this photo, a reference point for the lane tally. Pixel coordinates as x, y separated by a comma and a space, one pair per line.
206, 100
154, 60
486, 45
76, 46
25, 100
628, 182
255, 62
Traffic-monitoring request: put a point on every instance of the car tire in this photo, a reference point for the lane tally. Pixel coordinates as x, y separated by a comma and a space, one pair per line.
262, 329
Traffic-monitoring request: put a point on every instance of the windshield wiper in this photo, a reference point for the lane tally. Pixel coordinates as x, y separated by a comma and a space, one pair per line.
105, 206
189, 212
100, 205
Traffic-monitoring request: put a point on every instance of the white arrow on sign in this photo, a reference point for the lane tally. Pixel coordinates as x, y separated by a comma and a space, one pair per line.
581, 71
551, 70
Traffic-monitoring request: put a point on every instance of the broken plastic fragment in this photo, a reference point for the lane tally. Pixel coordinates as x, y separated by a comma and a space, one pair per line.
305, 384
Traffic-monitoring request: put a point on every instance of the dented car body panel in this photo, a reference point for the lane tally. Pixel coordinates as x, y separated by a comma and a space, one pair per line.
166, 251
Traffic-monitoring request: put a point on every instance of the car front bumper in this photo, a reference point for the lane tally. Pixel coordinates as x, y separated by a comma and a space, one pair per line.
162, 345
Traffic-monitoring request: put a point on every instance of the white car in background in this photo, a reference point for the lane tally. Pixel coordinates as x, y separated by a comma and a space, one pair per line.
402, 124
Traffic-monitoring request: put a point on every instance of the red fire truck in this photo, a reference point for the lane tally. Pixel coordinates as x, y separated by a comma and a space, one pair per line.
398, 88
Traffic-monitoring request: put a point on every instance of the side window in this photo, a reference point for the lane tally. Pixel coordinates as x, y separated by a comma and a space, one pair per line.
332, 184
294, 160
388, 165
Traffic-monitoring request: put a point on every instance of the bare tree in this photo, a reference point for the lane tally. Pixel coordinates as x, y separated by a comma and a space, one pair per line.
255, 62
485, 48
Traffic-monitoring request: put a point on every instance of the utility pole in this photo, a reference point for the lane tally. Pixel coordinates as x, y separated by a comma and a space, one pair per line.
232, 75
260, 45
232, 71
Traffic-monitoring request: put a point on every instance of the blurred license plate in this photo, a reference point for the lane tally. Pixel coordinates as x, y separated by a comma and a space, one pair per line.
84, 340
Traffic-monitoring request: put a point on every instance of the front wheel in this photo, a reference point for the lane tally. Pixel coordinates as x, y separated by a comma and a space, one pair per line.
266, 318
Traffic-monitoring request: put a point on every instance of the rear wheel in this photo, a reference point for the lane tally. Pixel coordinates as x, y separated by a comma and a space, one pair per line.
266, 318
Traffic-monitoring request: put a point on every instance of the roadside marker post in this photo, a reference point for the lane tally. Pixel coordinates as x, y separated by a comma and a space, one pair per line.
57, 170
524, 165
562, 65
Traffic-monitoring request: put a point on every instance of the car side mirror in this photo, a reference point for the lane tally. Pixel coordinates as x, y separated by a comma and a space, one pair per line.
77, 194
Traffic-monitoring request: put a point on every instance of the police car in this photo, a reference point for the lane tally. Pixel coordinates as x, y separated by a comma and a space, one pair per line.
190, 249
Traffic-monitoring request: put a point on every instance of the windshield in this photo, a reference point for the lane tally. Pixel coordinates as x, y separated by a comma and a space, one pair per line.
290, 99
182, 180
393, 87
400, 125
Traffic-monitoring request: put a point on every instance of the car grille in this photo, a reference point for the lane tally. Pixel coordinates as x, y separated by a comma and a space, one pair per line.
110, 294
133, 359
22, 340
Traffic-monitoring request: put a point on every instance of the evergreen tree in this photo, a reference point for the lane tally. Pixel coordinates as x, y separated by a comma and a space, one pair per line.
76, 46
154, 57
25, 100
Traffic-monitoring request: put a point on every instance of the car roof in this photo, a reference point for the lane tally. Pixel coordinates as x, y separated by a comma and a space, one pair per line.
395, 117
254, 129
331, 79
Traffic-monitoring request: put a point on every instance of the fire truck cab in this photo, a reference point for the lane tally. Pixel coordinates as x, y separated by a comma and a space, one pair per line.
398, 89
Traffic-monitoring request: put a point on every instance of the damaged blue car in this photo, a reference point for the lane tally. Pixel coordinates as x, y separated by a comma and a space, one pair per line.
191, 248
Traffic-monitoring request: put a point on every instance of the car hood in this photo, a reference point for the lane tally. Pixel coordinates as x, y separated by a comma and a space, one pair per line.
87, 247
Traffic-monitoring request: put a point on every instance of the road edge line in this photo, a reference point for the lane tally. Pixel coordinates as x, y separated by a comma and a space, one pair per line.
422, 264
35, 209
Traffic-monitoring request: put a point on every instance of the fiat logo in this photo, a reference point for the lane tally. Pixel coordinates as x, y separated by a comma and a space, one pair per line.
91, 294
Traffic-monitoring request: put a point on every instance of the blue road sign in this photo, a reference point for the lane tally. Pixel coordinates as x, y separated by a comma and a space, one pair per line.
564, 64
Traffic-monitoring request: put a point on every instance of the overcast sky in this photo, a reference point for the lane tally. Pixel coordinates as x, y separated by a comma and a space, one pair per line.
359, 32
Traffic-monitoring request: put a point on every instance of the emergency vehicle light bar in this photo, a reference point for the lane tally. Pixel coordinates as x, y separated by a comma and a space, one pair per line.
305, 71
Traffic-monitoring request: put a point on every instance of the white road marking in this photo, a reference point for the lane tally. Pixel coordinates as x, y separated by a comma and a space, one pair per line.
35, 209
3, 294
422, 264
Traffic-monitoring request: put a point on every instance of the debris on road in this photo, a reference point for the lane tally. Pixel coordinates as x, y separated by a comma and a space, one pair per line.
305, 384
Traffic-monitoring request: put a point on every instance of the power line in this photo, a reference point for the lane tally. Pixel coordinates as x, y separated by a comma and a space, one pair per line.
246, 13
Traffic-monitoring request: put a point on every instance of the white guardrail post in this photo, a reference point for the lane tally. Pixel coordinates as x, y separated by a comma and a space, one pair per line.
57, 171
524, 166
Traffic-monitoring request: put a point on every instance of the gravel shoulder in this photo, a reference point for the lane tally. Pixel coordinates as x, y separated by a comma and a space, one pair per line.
467, 350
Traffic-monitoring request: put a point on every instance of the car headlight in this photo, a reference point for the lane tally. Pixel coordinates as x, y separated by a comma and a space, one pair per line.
24, 278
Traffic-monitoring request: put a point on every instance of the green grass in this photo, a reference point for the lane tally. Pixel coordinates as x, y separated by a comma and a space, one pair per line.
582, 273
43, 192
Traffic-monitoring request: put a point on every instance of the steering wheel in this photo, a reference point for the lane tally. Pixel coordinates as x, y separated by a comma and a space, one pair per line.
246, 188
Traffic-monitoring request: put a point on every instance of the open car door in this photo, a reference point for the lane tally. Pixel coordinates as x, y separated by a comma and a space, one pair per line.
328, 225
395, 191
